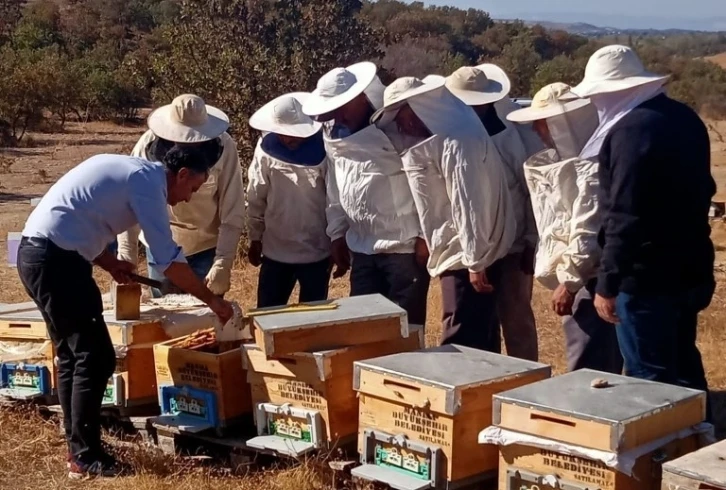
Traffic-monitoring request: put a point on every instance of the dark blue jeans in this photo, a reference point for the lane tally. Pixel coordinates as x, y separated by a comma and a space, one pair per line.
657, 336
201, 263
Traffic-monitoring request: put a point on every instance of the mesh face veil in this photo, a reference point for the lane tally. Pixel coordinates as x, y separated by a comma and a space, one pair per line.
571, 131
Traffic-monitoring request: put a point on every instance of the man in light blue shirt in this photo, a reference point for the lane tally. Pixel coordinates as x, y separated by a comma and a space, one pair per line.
65, 235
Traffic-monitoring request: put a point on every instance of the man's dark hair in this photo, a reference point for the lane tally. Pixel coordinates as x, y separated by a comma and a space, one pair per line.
208, 151
197, 159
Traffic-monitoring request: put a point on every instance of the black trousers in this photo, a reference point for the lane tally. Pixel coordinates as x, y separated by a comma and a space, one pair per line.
470, 318
398, 277
277, 281
62, 286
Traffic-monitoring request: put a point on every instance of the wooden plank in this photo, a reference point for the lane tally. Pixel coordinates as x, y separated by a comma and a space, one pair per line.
403, 390
127, 301
327, 336
23, 329
137, 369
701, 470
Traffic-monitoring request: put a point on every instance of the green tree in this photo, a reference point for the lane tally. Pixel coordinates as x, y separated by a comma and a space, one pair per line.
239, 54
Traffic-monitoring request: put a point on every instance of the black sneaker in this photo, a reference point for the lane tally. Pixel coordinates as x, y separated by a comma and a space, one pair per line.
98, 469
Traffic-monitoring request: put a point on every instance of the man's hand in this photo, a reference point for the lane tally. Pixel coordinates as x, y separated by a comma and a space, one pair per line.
606, 309
562, 301
119, 269
422, 252
223, 309
528, 259
254, 254
341, 257
480, 282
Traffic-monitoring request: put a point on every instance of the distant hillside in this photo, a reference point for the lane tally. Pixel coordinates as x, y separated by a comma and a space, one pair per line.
593, 31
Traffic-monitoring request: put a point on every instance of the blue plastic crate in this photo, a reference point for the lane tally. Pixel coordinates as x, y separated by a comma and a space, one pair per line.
194, 405
28, 379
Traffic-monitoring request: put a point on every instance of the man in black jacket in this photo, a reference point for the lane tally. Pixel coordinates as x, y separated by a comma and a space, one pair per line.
656, 271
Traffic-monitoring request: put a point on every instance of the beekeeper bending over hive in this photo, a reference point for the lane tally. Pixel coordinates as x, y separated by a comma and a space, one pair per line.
209, 226
286, 196
371, 212
466, 214
485, 89
563, 188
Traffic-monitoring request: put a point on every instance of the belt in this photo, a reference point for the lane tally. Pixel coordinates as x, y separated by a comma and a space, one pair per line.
35, 241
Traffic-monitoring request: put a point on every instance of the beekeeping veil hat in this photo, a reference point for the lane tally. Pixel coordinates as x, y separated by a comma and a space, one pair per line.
284, 115
571, 121
479, 85
188, 120
339, 87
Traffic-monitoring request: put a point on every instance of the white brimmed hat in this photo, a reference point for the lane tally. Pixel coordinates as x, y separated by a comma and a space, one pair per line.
552, 100
338, 87
284, 115
188, 120
403, 89
612, 69
479, 85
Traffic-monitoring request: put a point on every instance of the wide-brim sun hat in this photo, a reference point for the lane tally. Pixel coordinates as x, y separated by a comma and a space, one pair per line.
284, 115
402, 90
552, 100
339, 87
612, 69
479, 85
188, 120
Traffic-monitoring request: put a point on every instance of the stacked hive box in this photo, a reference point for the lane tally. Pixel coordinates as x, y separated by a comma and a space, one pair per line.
703, 470
202, 384
301, 370
420, 414
133, 384
27, 369
589, 430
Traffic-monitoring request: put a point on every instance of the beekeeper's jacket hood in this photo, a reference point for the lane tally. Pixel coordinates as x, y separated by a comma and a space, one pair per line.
286, 208
564, 190
369, 200
459, 186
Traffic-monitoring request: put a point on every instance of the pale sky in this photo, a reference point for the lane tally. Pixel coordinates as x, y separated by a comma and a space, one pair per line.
658, 14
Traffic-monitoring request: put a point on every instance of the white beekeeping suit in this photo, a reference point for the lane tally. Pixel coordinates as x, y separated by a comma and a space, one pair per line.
563, 189
460, 187
286, 208
369, 200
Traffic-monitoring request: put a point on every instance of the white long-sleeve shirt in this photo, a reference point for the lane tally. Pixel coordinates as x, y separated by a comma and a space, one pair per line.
286, 209
213, 218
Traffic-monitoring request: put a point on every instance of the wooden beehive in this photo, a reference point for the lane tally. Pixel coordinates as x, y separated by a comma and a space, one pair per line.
627, 414
420, 413
215, 381
132, 339
355, 321
27, 368
530, 467
562, 420
319, 381
701, 470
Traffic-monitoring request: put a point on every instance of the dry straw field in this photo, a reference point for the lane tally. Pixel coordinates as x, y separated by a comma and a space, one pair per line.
31, 449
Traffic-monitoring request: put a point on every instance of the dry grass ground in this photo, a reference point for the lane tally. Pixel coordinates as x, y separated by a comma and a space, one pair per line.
31, 450
719, 59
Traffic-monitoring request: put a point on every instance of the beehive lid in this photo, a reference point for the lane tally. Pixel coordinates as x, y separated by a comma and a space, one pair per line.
357, 320
644, 409
449, 367
706, 466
